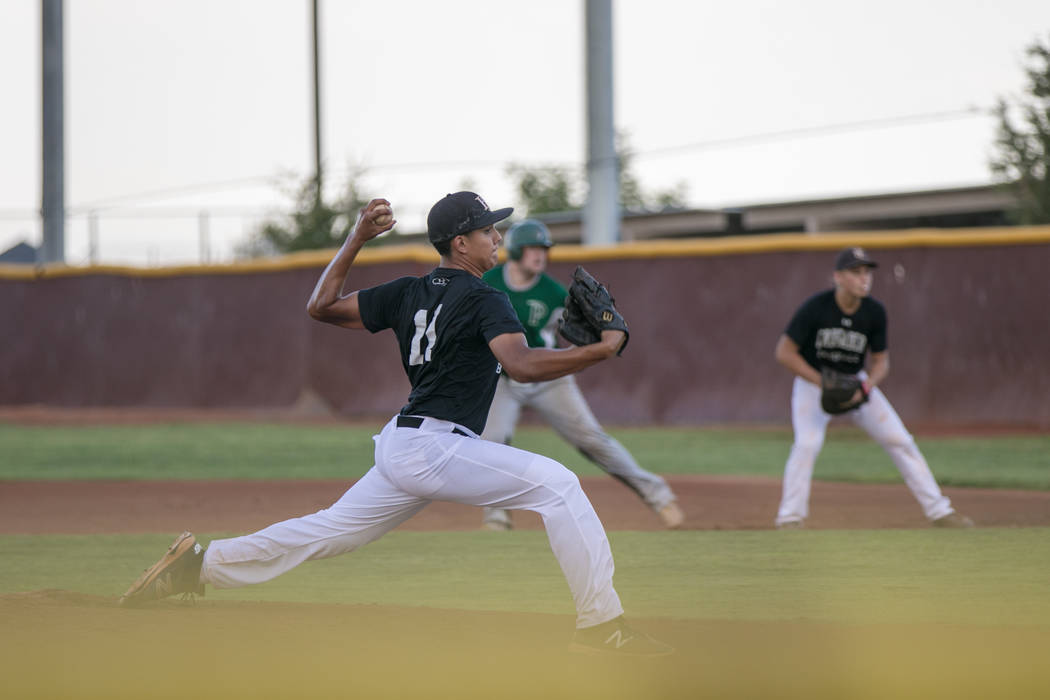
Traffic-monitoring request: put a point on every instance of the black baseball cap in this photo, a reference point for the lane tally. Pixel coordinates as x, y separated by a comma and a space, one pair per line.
853, 257
459, 213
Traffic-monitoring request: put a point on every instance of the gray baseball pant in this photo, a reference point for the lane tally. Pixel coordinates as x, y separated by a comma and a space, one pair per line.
562, 405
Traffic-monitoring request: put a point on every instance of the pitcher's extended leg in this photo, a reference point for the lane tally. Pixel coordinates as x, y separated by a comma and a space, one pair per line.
368, 510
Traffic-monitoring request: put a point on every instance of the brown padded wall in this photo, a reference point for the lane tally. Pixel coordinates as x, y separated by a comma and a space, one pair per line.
969, 335
969, 338
208, 341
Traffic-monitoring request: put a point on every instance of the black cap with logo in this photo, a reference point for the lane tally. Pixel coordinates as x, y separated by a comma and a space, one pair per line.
460, 213
853, 257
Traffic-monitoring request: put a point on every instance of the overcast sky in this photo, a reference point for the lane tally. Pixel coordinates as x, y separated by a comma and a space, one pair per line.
200, 105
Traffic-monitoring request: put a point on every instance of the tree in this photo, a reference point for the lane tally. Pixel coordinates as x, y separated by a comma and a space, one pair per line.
546, 189
632, 196
550, 189
1023, 150
312, 223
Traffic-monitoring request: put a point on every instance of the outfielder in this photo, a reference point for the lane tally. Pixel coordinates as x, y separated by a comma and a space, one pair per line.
538, 299
456, 334
825, 345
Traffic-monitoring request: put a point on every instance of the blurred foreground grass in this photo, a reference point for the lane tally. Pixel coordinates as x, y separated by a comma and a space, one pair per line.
820, 615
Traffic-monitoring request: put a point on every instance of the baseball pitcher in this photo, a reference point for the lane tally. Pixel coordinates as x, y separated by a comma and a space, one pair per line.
456, 335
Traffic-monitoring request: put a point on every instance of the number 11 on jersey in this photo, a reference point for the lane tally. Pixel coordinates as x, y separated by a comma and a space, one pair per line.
416, 356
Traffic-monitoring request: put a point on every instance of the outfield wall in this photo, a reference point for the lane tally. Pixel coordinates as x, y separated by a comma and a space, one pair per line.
969, 330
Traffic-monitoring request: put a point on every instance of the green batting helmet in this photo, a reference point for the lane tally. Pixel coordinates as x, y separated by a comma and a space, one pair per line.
529, 232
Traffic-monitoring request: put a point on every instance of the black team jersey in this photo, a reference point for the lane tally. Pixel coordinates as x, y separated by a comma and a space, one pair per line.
444, 322
828, 337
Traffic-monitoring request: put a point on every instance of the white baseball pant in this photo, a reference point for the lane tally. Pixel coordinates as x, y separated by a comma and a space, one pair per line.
881, 422
560, 402
415, 466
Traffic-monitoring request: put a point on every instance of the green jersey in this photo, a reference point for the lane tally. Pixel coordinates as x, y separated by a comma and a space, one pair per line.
538, 307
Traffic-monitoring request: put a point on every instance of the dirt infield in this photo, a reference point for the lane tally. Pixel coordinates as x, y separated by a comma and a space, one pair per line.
710, 503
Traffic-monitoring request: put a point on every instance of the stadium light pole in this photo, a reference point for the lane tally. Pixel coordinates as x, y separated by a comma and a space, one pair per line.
601, 213
52, 141
317, 99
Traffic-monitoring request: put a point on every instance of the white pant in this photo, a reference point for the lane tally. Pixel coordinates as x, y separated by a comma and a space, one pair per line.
413, 467
881, 422
562, 405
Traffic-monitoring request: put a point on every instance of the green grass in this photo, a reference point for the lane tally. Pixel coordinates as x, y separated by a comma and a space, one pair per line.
281, 451
990, 576
184, 451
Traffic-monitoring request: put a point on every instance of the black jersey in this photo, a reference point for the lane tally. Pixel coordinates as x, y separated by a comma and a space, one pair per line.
444, 322
828, 337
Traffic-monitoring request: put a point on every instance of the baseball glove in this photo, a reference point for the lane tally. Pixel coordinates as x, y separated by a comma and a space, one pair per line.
837, 391
574, 327
589, 310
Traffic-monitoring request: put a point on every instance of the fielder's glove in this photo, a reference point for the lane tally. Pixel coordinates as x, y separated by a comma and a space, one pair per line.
838, 389
589, 310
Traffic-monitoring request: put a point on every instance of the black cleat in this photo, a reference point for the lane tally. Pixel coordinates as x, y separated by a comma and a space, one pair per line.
616, 638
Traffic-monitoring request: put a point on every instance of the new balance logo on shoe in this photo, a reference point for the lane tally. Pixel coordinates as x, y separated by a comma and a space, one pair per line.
163, 586
616, 638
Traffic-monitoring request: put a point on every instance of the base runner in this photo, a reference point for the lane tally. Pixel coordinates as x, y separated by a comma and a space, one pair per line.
538, 299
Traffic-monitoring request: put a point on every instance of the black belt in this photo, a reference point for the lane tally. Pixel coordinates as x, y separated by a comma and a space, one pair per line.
416, 421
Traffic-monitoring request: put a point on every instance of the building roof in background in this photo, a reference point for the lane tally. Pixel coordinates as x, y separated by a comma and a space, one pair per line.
19, 254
